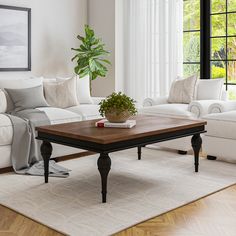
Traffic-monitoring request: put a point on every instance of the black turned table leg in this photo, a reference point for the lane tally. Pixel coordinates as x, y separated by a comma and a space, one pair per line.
104, 166
46, 152
196, 144
139, 152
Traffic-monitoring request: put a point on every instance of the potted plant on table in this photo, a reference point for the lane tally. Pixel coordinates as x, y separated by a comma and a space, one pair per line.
117, 108
90, 56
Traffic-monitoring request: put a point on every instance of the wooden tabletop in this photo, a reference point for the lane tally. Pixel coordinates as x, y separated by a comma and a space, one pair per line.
146, 125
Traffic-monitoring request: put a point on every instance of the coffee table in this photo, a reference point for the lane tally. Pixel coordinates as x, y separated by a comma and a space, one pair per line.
149, 130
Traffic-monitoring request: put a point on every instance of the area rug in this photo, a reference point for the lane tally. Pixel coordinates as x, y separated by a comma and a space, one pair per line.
137, 191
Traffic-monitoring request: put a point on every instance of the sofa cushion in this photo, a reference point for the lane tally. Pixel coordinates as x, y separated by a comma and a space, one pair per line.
182, 90
61, 94
169, 110
56, 116
28, 98
6, 130
221, 125
59, 116
209, 89
18, 84
83, 89
3, 102
88, 112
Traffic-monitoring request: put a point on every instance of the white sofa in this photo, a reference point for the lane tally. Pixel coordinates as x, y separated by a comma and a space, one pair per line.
207, 93
220, 140
56, 116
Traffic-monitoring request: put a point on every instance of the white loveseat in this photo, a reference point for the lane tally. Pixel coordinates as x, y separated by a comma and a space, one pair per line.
56, 116
207, 92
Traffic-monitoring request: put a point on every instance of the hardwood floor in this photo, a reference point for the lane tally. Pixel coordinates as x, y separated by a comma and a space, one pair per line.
213, 215
14, 224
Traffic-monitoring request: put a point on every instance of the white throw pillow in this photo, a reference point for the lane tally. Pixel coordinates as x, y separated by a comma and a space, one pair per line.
182, 90
3, 102
209, 89
83, 89
18, 84
61, 94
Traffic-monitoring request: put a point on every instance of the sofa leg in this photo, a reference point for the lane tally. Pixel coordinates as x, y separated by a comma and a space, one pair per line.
212, 158
182, 152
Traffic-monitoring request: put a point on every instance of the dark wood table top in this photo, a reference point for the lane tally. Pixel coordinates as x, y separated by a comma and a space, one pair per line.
147, 125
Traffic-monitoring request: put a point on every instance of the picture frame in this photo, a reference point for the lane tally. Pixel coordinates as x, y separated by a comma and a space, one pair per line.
15, 38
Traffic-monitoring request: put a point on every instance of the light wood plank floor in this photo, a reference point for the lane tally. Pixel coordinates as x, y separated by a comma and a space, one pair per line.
213, 215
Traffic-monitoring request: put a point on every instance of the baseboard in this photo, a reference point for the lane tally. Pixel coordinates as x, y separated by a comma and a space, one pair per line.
57, 159
6, 170
73, 156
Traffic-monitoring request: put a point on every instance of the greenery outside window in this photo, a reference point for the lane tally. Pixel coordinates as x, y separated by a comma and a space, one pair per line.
191, 40
223, 43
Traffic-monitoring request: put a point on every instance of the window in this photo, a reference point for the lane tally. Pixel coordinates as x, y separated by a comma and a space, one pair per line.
210, 40
223, 43
191, 40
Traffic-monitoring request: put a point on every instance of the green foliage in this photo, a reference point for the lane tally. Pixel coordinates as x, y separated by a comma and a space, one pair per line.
117, 102
218, 45
191, 69
217, 72
90, 56
231, 95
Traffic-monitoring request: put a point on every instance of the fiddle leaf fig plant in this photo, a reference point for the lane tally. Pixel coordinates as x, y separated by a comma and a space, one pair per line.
90, 56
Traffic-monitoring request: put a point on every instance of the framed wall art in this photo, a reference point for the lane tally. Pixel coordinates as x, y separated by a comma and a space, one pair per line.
15, 38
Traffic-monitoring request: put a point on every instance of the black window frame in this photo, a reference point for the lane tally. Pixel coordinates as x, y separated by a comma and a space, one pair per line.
206, 37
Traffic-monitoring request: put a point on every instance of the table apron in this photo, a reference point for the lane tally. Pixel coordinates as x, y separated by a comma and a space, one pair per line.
122, 145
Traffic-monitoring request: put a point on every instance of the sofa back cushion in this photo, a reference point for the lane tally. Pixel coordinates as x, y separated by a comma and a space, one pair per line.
61, 94
3, 102
28, 98
18, 84
82, 89
209, 89
182, 90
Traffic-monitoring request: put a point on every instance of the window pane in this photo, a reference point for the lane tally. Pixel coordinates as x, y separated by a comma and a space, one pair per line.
218, 23
232, 48
218, 46
218, 70
192, 15
191, 69
218, 6
231, 71
232, 92
191, 47
232, 24
231, 5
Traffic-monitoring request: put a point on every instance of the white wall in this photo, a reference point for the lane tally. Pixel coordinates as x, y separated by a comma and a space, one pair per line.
101, 17
55, 25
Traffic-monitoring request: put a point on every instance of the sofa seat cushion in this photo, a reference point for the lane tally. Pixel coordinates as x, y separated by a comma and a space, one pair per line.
88, 112
169, 110
59, 116
6, 130
55, 115
222, 125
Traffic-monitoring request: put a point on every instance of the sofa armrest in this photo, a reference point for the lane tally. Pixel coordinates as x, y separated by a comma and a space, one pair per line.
222, 106
201, 107
148, 102
97, 100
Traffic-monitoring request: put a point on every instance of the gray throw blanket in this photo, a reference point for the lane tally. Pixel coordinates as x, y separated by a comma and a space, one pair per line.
25, 152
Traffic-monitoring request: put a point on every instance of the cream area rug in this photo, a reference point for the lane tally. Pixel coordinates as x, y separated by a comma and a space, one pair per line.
137, 191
